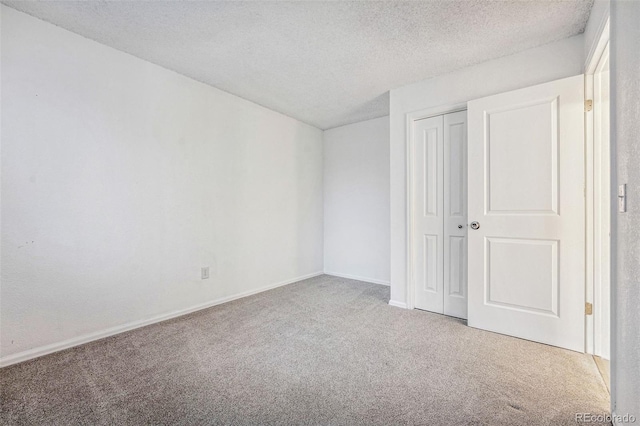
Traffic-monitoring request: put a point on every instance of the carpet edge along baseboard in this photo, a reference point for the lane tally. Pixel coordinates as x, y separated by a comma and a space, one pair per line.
101, 334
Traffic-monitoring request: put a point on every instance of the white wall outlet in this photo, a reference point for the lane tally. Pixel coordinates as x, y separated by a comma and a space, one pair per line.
204, 273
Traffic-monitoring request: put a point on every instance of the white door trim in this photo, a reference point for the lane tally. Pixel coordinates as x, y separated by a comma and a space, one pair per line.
410, 118
598, 47
592, 332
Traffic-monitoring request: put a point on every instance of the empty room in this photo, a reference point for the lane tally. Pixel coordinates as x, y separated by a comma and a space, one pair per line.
320, 212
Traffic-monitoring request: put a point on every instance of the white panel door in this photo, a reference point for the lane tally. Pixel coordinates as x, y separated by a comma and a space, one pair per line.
455, 214
428, 208
526, 192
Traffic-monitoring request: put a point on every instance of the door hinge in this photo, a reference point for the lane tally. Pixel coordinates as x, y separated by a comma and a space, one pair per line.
588, 308
588, 105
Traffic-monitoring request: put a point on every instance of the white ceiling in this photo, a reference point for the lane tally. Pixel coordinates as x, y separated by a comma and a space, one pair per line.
324, 63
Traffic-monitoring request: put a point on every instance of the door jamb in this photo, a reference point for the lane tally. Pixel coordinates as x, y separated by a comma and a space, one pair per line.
590, 158
410, 119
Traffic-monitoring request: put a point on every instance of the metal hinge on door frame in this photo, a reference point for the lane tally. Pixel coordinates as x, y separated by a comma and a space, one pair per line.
588, 308
588, 105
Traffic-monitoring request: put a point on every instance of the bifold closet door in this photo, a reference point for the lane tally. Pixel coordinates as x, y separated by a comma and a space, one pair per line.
438, 239
428, 214
455, 214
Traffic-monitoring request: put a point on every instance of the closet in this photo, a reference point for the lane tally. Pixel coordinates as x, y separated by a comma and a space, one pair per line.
438, 225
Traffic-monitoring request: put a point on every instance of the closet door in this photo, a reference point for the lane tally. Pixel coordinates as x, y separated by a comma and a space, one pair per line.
455, 214
427, 239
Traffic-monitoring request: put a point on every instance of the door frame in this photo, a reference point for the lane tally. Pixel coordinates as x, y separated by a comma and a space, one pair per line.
409, 154
592, 285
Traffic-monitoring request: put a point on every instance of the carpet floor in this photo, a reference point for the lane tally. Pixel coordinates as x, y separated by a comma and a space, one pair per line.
323, 351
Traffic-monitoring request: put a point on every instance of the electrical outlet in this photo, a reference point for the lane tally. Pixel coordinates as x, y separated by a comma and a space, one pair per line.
204, 273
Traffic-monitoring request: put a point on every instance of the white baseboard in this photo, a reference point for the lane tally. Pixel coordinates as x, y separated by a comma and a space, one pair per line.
398, 304
355, 277
80, 340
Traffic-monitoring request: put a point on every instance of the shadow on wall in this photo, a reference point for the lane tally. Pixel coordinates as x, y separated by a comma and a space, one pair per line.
309, 208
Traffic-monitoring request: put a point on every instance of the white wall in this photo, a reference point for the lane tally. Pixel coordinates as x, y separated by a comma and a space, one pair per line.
120, 179
546, 63
625, 115
356, 201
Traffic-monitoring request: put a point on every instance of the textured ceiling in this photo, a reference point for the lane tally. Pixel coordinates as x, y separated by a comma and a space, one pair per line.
324, 63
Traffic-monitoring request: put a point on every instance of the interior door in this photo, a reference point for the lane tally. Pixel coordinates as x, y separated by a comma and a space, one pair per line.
455, 214
527, 211
428, 209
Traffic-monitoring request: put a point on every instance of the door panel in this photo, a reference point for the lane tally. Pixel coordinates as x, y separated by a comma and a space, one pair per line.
530, 282
522, 158
526, 190
455, 218
428, 235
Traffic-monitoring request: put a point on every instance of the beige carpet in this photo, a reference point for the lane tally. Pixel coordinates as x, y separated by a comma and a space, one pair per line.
324, 351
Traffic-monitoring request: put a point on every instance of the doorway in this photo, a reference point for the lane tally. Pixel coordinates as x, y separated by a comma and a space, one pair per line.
524, 161
600, 205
